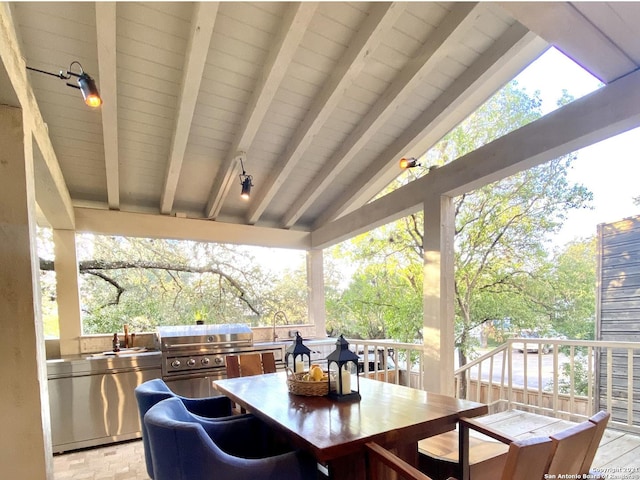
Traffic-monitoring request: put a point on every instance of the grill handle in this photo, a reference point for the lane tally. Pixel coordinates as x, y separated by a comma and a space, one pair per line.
200, 344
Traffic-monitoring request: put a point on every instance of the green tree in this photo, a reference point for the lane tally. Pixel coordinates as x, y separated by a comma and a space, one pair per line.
384, 297
501, 230
149, 282
501, 261
288, 293
572, 296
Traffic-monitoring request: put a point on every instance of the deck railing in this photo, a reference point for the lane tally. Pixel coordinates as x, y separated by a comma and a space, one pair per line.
393, 362
563, 383
569, 379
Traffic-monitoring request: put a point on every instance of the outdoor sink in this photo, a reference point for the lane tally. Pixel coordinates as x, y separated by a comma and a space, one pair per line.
122, 352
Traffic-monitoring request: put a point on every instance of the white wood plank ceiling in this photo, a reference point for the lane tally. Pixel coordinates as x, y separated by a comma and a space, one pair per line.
319, 100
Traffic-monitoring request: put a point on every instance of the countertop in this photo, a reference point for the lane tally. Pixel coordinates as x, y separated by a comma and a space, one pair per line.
136, 358
95, 363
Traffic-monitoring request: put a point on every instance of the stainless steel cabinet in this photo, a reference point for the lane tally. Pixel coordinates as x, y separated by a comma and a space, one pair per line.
92, 400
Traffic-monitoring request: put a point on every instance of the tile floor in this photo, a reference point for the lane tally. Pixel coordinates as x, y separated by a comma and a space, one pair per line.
122, 461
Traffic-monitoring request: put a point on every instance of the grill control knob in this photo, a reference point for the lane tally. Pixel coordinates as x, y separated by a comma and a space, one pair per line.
218, 361
205, 361
191, 362
175, 364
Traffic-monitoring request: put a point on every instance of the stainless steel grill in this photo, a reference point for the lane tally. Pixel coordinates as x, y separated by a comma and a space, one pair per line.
194, 355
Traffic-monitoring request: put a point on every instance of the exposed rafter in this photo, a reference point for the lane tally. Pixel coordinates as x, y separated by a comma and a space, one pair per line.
381, 18
423, 63
318, 96
294, 24
106, 39
612, 110
439, 118
202, 22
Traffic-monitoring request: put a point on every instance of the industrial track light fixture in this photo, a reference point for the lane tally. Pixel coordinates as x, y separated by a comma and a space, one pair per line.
406, 163
409, 163
245, 181
86, 84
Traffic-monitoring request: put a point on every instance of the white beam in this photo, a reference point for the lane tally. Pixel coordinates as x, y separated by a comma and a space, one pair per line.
202, 22
294, 25
381, 18
106, 38
58, 208
562, 25
422, 64
111, 222
605, 113
494, 68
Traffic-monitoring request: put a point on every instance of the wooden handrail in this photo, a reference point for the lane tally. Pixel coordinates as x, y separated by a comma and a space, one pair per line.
591, 361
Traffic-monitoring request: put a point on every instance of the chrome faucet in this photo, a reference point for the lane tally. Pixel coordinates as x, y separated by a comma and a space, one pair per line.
275, 316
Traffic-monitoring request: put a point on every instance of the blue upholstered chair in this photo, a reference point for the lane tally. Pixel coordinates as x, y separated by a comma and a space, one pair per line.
153, 391
188, 447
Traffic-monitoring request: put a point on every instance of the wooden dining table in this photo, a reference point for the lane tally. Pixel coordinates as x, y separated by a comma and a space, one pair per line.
335, 432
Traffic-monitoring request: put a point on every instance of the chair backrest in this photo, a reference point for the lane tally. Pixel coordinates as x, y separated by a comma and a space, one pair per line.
600, 420
527, 459
379, 458
249, 364
570, 448
177, 442
147, 395
187, 447
154, 391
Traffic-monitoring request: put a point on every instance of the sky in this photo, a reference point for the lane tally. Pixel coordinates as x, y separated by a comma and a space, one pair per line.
609, 169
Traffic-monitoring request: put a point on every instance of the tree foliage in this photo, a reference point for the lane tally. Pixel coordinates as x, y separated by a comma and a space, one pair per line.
502, 269
572, 289
150, 282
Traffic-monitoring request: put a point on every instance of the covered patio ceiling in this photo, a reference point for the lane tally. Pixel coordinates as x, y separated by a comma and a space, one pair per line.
318, 100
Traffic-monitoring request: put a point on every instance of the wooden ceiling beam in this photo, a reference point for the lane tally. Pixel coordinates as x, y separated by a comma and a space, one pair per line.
106, 40
57, 207
202, 23
143, 225
379, 21
607, 112
294, 25
489, 72
422, 64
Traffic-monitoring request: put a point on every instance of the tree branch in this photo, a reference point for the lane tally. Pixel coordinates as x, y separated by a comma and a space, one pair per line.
92, 266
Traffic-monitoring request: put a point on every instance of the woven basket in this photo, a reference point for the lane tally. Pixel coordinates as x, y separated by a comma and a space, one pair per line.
309, 388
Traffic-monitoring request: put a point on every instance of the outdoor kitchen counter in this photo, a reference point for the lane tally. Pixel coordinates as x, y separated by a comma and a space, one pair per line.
91, 396
100, 362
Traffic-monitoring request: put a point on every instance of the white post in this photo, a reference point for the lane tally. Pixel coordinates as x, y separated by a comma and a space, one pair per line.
315, 284
25, 446
438, 332
67, 291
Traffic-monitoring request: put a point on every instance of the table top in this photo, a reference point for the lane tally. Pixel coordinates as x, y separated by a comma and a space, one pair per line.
389, 414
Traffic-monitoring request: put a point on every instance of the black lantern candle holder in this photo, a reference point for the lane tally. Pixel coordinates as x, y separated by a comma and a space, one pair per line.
341, 389
297, 350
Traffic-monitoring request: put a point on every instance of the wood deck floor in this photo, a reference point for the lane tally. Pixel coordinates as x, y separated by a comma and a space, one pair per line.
619, 451
618, 455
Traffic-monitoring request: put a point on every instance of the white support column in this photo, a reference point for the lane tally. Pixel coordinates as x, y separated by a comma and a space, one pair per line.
67, 293
439, 310
25, 446
315, 283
